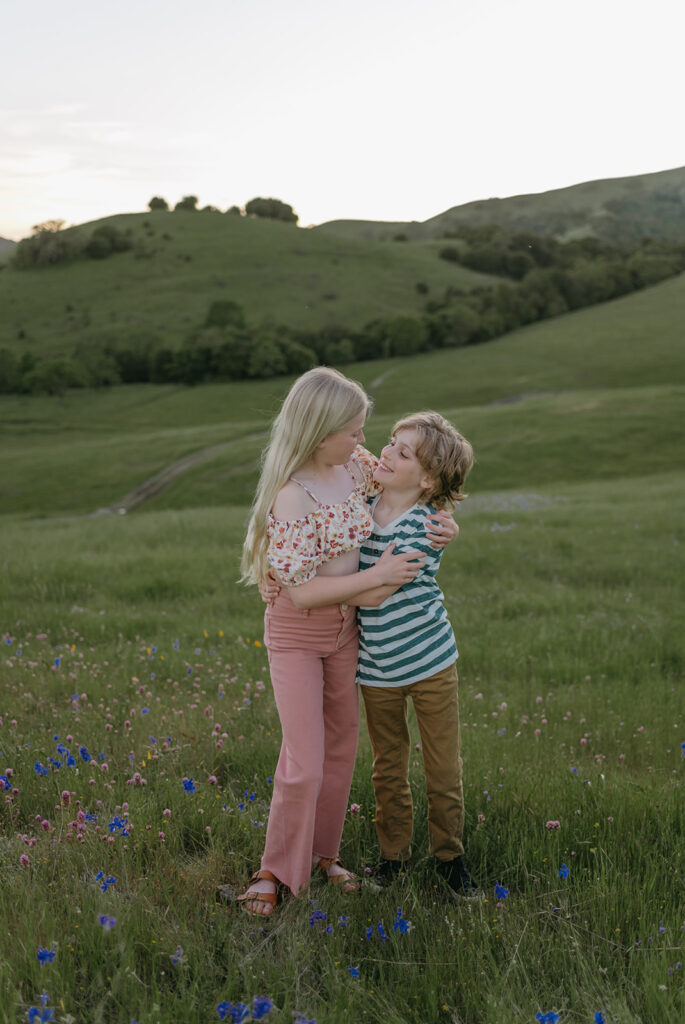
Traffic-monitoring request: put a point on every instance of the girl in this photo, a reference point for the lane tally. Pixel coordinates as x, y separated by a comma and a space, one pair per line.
308, 521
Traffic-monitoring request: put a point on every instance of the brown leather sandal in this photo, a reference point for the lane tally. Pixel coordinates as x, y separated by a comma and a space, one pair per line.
348, 878
251, 896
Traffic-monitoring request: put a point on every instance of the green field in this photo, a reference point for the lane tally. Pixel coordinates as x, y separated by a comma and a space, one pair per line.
182, 262
128, 636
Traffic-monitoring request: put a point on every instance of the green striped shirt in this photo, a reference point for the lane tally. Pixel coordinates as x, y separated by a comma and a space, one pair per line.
409, 637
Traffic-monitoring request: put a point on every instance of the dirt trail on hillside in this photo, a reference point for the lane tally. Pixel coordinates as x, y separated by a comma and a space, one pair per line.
154, 484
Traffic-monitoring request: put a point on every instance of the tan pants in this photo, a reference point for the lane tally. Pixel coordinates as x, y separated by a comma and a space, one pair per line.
437, 713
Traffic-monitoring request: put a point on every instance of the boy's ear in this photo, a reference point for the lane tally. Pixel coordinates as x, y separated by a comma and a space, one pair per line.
427, 483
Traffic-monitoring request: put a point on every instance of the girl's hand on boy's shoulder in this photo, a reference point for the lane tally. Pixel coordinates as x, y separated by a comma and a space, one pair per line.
441, 529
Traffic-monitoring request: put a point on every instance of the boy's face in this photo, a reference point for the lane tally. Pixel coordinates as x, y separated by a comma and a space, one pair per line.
399, 469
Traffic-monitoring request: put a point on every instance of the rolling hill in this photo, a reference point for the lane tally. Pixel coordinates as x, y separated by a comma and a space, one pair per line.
615, 209
181, 262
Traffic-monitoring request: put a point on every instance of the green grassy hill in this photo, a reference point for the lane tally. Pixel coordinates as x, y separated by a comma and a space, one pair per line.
616, 209
182, 262
593, 394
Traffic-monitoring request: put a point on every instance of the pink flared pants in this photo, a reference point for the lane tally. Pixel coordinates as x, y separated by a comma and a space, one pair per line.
313, 662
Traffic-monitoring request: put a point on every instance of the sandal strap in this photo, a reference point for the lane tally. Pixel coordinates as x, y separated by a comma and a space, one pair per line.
261, 897
325, 863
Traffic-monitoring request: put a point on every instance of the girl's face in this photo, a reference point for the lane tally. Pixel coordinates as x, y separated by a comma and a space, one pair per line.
339, 447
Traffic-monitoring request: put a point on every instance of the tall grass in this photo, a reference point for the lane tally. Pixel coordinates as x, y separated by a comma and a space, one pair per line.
565, 605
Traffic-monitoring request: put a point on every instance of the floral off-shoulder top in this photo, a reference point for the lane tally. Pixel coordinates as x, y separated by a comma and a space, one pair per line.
297, 547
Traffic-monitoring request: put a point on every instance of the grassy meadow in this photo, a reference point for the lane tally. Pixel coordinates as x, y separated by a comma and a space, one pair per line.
133, 663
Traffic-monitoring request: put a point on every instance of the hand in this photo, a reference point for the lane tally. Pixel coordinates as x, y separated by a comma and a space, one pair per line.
395, 570
269, 588
441, 529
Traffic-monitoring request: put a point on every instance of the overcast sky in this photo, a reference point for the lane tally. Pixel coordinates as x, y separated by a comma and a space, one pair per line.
379, 109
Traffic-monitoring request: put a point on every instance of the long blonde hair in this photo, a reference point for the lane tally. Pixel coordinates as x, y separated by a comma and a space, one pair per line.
320, 402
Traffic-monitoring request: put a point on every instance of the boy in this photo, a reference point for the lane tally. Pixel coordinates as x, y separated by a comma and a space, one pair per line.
407, 649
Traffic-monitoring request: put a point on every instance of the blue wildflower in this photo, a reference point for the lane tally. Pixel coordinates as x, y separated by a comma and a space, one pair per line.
107, 922
223, 1009
400, 924
119, 825
45, 1014
600, 1018
71, 760
500, 892
547, 1018
4, 782
45, 956
381, 931
106, 882
83, 751
564, 871
343, 920
57, 662
318, 915
261, 1005
189, 785
177, 957
145, 711
40, 769
354, 971
239, 1013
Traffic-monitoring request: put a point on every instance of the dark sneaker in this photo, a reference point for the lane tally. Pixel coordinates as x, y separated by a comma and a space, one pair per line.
388, 871
457, 876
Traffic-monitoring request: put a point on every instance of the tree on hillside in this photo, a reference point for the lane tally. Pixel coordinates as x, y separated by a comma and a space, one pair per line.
225, 313
271, 209
48, 226
157, 203
187, 203
234, 211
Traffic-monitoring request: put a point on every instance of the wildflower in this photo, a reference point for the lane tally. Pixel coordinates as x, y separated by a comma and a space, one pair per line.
381, 931
600, 1018
400, 923
107, 922
239, 1013
45, 956
177, 957
106, 882
40, 769
547, 1018
355, 808
564, 871
189, 785
318, 915
354, 971
66, 797
45, 1014
166, 812
261, 1005
24, 860
83, 751
553, 825
343, 920
500, 892
119, 825
223, 1009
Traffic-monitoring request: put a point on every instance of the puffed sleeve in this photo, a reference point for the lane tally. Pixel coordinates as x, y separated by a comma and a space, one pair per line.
367, 463
294, 550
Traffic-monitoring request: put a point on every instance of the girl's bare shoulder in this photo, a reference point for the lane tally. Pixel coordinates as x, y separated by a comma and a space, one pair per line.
292, 502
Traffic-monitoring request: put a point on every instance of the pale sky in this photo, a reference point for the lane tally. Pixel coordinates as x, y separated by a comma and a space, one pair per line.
372, 109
